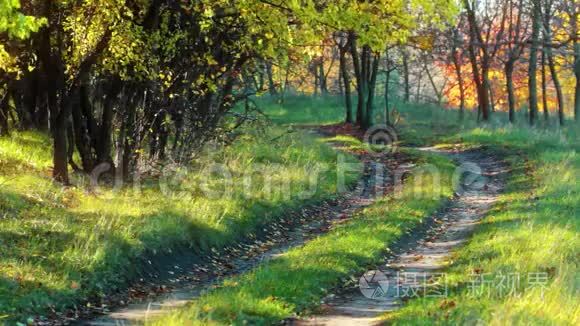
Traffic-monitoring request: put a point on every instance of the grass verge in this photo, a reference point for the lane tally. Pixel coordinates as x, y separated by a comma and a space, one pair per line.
521, 267
298, 280
61, 246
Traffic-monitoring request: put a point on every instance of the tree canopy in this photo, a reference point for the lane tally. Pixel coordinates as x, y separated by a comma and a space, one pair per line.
113, 79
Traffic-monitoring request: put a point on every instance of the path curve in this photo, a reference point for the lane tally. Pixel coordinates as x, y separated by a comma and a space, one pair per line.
416, 259
321, 220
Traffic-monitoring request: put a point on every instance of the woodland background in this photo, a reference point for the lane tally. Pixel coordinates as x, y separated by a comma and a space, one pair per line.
123, 83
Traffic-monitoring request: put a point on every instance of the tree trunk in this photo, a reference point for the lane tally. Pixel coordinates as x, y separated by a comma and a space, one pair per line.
58, 102
365, 74
29, 90
418, 92
286, 79
15, 90
509, 70
322, 76
532, 67
120, 148
484, 95
491, 98
42, 118
104, 141
4, 127
162, 143
158, 136
577, 73
339, 81
406, 86
558, 87
387, 81
438, 94
316, 80
480, 77
81, 135
551, 64
129, 142
544, 88
271, 85
460, 84
371, 89
59, 134
359, 78
70, 148
346, 86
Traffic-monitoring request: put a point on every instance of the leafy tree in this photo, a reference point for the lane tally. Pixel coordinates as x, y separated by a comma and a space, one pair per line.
14, 26
160, 77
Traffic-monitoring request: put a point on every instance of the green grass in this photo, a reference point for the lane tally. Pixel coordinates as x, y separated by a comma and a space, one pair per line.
297, 281
321, 110
302, 110
64, 245
533, 229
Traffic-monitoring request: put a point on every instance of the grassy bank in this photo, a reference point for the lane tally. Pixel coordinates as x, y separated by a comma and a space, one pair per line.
302, 110
522, 265
297, 281
532, 233
64, 245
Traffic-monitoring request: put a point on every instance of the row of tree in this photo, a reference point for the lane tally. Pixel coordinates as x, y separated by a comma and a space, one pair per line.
490, 58
124, 81
501, 35
120, 82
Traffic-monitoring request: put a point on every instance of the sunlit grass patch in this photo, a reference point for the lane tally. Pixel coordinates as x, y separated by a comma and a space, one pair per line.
295, 282
303, 110
64, 245
24, 151
531, 234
